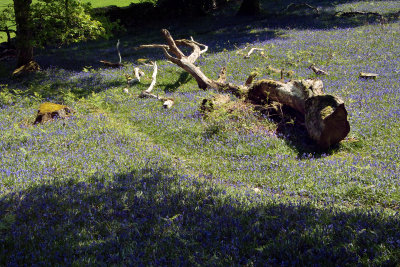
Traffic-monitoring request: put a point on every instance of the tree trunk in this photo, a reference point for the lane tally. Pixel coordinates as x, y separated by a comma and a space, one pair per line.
249, 8
24, 32
325, 115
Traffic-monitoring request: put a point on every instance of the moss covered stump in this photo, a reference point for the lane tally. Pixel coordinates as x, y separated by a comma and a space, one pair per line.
50, 111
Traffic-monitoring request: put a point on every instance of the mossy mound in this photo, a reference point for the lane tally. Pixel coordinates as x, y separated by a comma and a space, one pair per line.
49, 111
25, 69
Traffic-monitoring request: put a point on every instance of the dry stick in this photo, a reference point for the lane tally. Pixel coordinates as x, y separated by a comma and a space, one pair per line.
138, 73
167, 102
251, 52
119, 54
318, 71
147, 92
240, 50
356, 13
297, 6
154, 79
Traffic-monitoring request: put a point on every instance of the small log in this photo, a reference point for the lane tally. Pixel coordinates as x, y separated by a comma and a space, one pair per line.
357, 13
168, 103
31, 67
252, 51
318, 71
296, 6
325, 115
366, 75
111, 64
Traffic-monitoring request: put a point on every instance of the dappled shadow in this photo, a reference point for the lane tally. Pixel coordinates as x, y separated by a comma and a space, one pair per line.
149, 217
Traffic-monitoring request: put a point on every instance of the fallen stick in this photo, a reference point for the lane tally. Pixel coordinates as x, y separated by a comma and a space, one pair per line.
251, 52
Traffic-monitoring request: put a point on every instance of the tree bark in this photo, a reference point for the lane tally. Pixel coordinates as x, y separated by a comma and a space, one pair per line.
24, 32
249, 8
325, 115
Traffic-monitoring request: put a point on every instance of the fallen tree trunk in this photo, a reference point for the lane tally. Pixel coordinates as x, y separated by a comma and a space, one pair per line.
325, 115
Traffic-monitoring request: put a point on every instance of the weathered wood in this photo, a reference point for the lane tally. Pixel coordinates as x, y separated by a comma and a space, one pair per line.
366, 75
111, 64
318, 71
325, 115
251, 51
31, 67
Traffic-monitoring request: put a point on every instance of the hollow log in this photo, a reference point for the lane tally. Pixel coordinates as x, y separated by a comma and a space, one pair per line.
325, 116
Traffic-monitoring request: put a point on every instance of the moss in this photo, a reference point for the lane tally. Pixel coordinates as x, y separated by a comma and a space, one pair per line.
48, 107
326, 111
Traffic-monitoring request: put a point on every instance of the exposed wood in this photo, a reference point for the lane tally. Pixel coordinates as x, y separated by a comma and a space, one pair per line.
154, 79
366, 75
325, 115
357, 13
111, 64
31, 67
147, 92
119, 53
296, 6
317, 70
251, 51
138, 73
168, 103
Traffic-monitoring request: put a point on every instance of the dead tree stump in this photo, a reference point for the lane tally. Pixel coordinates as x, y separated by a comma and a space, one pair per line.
50, 111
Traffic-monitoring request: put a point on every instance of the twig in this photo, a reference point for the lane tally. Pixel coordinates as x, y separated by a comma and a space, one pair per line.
154, 79
119, 54
251, 52
293, 6
138, 73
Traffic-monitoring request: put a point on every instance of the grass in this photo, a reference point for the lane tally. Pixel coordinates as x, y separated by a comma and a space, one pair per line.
126, 182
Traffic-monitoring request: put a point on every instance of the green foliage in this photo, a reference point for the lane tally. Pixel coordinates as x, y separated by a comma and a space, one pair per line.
58, 22
7, 20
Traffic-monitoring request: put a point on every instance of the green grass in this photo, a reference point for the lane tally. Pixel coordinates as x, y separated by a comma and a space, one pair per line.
125, 182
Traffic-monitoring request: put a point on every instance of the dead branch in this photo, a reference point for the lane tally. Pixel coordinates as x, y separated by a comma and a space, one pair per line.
154, 79
296, 6
138, 73
357, 13
366, 75
251, 52
318, 71
111, 64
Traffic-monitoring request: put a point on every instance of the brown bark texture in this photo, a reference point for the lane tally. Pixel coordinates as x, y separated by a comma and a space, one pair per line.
24, 31
325, 116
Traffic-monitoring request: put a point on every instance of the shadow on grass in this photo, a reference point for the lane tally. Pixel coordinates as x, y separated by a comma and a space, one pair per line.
184, 78
156, 218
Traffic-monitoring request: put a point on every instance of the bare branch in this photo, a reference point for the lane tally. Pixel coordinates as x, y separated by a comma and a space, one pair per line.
222, 75
171, 44
293, 6
154, 79
251, 52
